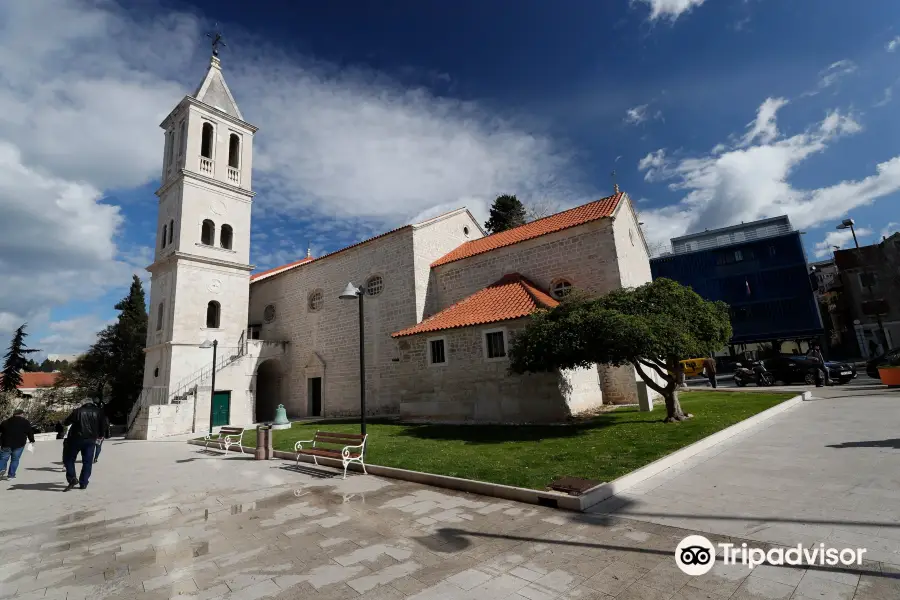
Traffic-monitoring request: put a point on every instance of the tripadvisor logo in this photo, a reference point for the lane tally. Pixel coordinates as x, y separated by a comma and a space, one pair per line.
696, 555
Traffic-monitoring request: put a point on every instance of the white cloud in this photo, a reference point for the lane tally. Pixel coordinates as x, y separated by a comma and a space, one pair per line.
832, 74
669, 9
886, 99
889, 230
842, 238
71, 336
746, 182
764, 127
81, 97
893, 44
639, 114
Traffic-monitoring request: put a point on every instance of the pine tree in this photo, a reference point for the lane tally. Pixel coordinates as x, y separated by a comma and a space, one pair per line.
130, 336
507, 212
15, 361
114, 365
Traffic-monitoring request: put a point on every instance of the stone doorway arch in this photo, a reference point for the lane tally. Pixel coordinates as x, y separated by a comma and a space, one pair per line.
268, 389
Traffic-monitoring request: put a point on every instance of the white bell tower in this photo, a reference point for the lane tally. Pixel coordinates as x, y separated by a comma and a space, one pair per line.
200, 276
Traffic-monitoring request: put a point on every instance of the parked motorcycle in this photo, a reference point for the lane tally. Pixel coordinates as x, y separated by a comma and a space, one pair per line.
755, 373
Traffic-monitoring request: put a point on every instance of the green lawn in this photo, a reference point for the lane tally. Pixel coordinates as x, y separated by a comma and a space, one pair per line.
603, 448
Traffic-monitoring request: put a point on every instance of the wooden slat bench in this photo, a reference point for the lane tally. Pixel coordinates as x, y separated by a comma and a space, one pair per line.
226, 437
353, 448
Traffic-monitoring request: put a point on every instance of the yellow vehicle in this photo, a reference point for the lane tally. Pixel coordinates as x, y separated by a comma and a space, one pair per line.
692, 367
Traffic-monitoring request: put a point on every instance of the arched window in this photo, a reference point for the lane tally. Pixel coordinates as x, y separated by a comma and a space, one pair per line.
213, 313
164, 236
226, 236
206, 141
170, 150
171, 230
207, 232
234, 151
160, 311
182, 138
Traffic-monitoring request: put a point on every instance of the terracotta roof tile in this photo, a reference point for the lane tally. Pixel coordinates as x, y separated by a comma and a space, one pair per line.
512, 297
291, 266
37, 380
579, 215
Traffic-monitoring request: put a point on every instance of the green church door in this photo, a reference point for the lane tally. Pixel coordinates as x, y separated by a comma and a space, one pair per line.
221, 412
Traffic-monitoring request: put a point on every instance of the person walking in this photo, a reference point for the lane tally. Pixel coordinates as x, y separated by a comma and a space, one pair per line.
709, 368
815, 356
15, 433
88, 424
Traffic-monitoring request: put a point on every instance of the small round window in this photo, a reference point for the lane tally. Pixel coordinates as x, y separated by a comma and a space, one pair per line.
561, 288
269, 313
466, 231
374, 285
316, 300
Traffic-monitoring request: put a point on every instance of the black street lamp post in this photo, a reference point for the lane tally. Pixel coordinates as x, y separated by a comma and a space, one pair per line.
351, 292
212, 385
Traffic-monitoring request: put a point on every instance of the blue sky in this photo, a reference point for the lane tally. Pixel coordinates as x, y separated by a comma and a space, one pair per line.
374, 114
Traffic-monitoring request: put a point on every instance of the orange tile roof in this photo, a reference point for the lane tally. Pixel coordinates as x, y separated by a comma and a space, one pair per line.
579, 215
510, 298
274, 270
37, 380
290, 266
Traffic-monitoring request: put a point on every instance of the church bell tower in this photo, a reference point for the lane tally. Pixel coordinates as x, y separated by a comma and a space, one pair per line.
200, 276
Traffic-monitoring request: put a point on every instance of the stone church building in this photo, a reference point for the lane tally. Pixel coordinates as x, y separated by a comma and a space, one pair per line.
442, 301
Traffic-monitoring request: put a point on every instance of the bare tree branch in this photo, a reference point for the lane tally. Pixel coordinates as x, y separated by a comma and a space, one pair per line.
538, 209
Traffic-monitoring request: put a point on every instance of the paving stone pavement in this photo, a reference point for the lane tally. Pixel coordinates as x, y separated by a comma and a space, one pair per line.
169, 520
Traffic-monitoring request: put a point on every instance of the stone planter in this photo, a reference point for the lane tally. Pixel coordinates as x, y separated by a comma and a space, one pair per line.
890, 376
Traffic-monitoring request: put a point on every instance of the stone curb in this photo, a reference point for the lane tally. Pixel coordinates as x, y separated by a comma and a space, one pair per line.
604, 491
546, 498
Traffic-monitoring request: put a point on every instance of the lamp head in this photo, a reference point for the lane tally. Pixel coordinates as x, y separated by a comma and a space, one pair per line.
846, 224
351, 292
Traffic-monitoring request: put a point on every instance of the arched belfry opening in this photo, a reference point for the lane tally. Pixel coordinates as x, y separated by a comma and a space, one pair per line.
268, 390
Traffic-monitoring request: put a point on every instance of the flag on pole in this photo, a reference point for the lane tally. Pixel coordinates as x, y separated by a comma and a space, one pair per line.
747, 284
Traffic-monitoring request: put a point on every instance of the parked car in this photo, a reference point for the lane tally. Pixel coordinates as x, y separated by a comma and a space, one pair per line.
799, 369
887, 357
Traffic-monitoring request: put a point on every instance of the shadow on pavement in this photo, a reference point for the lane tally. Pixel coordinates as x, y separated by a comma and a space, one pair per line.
892, 443
39, 487
317, 473
454, 540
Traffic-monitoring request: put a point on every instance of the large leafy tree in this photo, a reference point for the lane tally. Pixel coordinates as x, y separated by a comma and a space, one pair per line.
15, 360
652, 327
506, 212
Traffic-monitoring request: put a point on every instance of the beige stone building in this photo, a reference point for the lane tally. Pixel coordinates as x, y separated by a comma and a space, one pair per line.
442, 302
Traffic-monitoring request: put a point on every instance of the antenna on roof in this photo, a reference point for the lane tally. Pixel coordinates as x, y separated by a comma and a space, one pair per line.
615, 183
308, 251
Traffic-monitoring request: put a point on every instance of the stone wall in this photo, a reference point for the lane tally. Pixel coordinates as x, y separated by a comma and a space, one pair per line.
472, 388
584, 255
325, 343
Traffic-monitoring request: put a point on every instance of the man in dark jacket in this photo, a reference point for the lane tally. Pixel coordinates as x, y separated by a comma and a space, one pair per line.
88, 424
15, 432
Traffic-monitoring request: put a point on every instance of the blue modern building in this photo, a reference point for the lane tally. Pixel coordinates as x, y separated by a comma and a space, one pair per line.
759, 269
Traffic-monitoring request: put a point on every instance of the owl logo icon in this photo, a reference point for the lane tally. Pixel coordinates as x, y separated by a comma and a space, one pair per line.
695, 555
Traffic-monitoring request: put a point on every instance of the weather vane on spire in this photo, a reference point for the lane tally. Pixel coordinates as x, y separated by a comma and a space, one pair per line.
216, 37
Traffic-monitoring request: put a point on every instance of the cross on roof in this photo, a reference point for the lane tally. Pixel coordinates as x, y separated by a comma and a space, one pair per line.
217, 40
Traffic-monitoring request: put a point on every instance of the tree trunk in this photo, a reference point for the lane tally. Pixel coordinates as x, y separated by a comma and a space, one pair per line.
673, 407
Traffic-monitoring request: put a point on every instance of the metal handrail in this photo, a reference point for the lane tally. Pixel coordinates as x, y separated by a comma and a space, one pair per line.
153, 396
